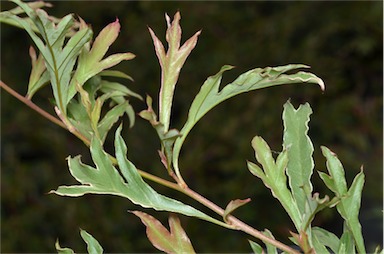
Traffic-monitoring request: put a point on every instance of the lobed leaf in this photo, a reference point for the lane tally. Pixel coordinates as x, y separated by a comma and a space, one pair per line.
210, 96
106, 179
326, 238
91, 61
171, 63
59, 61
350, 200
300, 149
173, 241
273, 176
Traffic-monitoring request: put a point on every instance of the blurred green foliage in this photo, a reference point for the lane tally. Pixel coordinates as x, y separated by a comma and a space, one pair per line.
341, 41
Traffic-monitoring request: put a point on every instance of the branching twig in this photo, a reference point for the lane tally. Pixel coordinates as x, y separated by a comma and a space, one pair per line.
235, 222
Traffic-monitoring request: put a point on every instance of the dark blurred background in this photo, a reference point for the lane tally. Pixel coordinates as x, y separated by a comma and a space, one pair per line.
341, 41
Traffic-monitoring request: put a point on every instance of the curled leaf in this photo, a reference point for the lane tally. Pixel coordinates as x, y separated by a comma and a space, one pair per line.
233, 205
210, 96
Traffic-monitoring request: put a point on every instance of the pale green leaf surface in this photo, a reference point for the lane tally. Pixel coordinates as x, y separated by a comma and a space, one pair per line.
347, 244
33, 87
108, 86
61, 250
300, 149
350, 200
173, 241
271, 249
256, 248
105, 179
93, 246
110, 118
273, 176
210, 96
328, 180
38, 77
116, 74
326, 238
336, 172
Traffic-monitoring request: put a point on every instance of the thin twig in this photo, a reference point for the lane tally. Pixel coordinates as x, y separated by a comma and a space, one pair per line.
239, 225
32, 105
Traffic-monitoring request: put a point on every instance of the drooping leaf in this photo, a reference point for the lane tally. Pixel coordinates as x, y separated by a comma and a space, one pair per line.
106, 179
210, 96
116, 74
300, 149
350, 200
171, 63
6, 16
233, 205
93, 246
273, 176
173, 241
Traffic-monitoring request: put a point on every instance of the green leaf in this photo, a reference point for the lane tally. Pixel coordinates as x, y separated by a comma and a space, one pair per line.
111, 118
39, 77
59, 61
347, 244
116, 74
173, 241
61, 250
350, 200
300, 149
93, 246
210, 96
326, 238
8, 16
336, 179
119, 89
270, 248
256, 248
106, 179
273, 176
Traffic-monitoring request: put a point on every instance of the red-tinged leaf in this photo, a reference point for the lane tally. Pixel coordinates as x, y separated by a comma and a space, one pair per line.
173, 241
36, 80
159, 48
233, 205
102, 42
171, 63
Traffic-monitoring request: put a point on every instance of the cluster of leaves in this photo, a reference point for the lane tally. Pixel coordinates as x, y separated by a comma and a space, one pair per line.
75, 69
